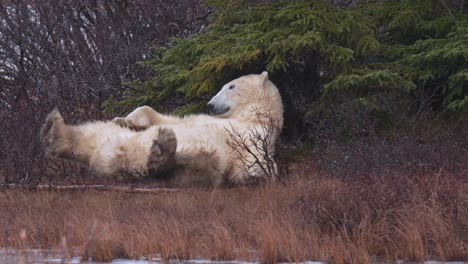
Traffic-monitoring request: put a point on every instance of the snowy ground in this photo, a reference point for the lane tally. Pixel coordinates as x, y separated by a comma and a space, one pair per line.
51, 257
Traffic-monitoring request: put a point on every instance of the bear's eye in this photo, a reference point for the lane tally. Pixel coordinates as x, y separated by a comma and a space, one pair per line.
232, 86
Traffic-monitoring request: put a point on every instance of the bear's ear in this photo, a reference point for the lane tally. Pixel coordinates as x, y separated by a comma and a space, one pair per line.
263, 78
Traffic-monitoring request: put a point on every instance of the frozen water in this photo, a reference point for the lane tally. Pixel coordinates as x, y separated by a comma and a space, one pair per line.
52, 257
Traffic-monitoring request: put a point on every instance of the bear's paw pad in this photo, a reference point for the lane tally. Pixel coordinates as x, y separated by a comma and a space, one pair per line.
163, 149
47, 133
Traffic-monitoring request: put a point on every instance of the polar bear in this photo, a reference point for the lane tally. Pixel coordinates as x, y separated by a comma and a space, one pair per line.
232, 146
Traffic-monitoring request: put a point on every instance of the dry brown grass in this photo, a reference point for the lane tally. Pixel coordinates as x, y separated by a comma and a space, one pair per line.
310, 217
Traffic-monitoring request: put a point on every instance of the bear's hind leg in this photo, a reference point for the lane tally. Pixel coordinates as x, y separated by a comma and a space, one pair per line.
56, 136
162, 153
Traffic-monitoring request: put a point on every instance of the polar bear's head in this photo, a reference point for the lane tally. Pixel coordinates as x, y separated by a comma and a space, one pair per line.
242, 96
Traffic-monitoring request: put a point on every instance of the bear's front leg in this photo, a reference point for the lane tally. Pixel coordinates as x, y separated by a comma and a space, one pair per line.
140, 119
144, 117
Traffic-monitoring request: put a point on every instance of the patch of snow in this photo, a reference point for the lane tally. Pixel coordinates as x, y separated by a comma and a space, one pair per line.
35, 256
60, 260
439, 262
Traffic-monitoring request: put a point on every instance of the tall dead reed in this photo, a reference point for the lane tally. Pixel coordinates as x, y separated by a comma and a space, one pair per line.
399, 215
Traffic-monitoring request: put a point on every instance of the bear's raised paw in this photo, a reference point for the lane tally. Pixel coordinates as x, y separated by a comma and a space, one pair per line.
54, 135
162, 153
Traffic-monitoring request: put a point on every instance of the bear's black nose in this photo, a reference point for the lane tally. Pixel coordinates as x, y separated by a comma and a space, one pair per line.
210, 108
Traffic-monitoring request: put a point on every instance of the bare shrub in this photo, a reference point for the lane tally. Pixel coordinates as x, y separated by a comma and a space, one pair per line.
356, 137
74, 55
255, 147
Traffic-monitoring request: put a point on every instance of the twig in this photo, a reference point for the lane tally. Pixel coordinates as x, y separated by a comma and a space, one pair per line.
43, 187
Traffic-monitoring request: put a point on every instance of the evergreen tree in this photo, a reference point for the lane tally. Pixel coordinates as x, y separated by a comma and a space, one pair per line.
317, 52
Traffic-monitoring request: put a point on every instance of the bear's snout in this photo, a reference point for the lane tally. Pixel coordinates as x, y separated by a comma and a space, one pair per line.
217, 109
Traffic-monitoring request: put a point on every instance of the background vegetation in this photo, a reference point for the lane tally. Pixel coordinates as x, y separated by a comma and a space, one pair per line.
348, 70
321, 56
365, 83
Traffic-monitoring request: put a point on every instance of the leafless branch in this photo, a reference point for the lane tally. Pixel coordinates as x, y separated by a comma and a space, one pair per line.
255, 147
92, 187
74, 55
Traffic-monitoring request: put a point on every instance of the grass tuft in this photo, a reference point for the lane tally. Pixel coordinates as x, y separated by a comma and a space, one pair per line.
400, 215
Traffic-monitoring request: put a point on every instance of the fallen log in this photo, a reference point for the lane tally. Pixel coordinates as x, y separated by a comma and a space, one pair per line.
129, 189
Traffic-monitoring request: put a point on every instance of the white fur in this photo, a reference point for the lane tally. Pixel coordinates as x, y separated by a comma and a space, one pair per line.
110, 149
